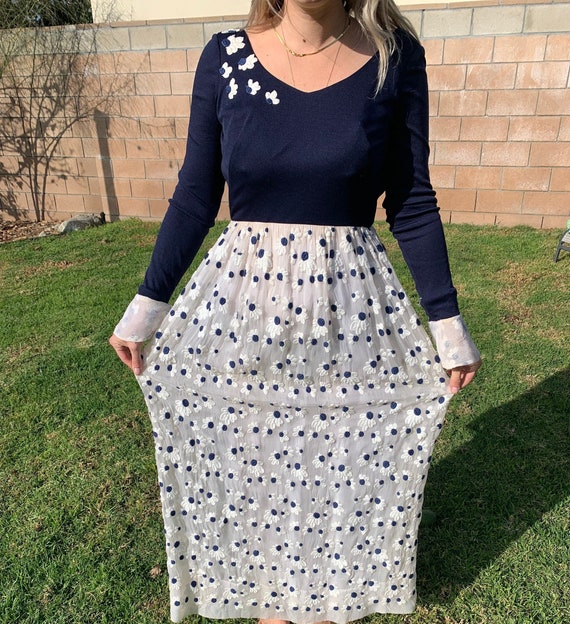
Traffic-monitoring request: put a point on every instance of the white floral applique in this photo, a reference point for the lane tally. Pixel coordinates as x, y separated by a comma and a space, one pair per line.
232, 89
252, 87
247, 63
271, 97
226, 70
233, 43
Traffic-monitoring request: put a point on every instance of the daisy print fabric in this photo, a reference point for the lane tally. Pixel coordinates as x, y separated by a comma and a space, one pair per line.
295, 401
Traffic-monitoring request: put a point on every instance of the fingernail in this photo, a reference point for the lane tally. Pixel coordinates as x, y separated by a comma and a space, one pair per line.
454, 389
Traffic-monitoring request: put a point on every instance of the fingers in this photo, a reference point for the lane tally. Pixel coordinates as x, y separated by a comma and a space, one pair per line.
462, 376
130, 353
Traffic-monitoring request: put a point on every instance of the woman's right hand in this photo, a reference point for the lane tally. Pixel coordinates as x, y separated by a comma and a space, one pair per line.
130, 353
462, 376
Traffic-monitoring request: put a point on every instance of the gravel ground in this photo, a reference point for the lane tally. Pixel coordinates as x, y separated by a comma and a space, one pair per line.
20, 230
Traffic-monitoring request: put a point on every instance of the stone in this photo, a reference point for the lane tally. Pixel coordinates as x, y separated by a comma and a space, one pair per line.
81, 222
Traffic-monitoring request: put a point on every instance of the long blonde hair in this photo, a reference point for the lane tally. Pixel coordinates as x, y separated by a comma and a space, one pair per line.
377, 18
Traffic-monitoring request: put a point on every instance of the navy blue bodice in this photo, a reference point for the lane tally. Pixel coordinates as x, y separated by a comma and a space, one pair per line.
323, 157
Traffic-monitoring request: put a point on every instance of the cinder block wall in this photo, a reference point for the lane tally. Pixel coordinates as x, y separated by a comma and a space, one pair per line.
500, 127
500, 111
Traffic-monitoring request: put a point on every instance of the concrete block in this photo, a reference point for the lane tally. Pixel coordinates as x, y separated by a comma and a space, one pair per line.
447, 23
148, 38
415, 18
185, 36
547, 18
500, 20
211, 28
112, 39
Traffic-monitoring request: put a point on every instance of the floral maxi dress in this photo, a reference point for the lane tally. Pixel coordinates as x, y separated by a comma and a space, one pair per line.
295, 398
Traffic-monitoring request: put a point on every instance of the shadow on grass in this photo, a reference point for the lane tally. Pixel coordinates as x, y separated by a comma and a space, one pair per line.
491, 490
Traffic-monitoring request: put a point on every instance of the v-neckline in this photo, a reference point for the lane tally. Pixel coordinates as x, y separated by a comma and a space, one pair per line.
355, 73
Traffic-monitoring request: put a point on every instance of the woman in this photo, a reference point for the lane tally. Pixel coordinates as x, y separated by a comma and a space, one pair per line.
295, 398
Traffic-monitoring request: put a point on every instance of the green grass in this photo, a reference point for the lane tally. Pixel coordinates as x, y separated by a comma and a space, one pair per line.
79, 506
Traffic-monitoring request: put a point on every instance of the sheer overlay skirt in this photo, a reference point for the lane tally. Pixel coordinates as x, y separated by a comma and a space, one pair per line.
295, 401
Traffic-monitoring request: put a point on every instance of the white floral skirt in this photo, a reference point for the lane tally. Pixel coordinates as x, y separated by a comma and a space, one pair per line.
295, 402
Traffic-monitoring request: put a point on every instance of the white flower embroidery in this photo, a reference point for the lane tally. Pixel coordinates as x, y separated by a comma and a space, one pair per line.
229, 510
315, 519
358, 322
298, 471
276, 368
252, 87
228, 415
397, 512
375, 305
216, 329
363, 479
403, 331
233, 43
298, 338
189, 504
379, 555
204, 310
271, 97
213, 463
167, 356
194, 292
164, 414
160, 390
271, 516
246, 388
371, 368
408, 455
199, 380
338, 311
367, 420
171, 369
392, 429
274, 327
310, 391
232, 89
253, 311
263, 261
319, 327
320, 423
414, 416
247, 63
226, 70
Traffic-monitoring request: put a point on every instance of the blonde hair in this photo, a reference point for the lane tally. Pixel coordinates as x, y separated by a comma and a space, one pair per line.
377, 18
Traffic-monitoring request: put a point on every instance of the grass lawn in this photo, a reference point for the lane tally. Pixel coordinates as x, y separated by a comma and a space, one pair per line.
80, 525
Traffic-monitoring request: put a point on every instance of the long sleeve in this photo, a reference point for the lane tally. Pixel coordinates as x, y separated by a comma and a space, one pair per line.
410, 201
197, 196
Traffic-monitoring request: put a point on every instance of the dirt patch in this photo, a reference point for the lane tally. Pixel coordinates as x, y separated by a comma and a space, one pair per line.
21, 230
44, 268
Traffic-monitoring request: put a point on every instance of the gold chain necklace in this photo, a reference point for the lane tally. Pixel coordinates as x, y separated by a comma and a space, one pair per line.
301, 54
327, 46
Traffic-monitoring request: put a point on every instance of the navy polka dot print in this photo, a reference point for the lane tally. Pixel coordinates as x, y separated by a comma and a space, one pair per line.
295, 401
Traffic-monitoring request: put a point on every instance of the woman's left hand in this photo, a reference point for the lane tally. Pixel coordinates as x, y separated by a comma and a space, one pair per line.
129, 353
462, 376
